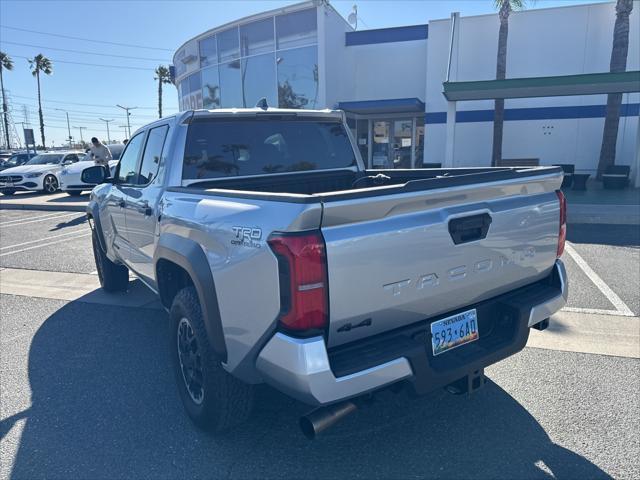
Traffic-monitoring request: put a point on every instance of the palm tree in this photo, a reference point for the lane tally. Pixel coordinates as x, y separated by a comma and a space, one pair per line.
38, 64
5, 63
614, 100
505, 7
163, 76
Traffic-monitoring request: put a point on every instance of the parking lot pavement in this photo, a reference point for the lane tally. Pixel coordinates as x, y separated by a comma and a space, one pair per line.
38, 201
54, 241
87, 389
89, 394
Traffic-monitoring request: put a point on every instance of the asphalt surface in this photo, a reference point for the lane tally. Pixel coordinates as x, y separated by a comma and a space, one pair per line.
87, 391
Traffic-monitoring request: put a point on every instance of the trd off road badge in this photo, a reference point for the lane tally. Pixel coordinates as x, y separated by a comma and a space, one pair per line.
247, 237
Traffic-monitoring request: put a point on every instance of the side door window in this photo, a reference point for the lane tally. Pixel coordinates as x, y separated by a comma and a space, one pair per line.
72, 157
129, 161
152, 155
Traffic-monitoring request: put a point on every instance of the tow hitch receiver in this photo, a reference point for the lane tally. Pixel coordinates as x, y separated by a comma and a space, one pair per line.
472, 382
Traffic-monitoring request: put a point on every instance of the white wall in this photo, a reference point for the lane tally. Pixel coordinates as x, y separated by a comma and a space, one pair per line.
544, 42
388, 70
337, 63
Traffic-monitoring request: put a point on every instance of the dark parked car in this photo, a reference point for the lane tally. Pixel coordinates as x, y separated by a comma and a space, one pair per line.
16, 160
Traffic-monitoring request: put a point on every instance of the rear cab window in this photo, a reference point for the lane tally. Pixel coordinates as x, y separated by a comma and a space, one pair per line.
223, 147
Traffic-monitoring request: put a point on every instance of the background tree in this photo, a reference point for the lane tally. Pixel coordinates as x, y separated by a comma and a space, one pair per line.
38, 64
614, 100
163, 77
505, 7
5, 64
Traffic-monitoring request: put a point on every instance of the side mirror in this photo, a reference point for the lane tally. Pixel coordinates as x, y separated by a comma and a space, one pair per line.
67, 162
95, 175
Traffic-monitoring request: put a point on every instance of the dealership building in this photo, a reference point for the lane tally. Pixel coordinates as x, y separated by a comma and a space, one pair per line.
422, 94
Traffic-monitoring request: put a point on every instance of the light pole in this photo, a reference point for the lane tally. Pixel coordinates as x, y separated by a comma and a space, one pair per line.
80, 128
68, 126
107, 122
126, 109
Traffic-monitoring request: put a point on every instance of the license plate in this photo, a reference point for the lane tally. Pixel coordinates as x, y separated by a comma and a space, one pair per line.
454, 331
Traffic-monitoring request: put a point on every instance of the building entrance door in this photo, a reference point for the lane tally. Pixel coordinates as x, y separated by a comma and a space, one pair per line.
392, 143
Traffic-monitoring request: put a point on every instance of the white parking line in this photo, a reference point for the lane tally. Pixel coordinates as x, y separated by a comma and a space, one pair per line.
616, 301
42, 239
23, 221
45, 244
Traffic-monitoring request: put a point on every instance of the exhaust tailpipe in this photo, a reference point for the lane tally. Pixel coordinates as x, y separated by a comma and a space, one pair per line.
322, 418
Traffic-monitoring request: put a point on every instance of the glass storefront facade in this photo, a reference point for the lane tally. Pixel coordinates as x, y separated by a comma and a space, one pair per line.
275, 58
389, 142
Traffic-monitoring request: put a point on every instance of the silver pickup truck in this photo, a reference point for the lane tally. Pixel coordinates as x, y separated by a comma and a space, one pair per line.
282, 259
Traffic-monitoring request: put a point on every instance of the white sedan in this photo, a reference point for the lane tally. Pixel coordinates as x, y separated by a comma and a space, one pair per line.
69, 176
38, 174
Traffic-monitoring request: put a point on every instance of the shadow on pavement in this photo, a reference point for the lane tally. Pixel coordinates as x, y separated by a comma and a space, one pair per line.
104, 405
79, 220
616, 235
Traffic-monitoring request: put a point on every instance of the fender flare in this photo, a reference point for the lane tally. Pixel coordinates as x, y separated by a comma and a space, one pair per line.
190, 256
93, 212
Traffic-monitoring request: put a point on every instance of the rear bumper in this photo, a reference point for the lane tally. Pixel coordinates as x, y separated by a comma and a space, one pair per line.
304, 369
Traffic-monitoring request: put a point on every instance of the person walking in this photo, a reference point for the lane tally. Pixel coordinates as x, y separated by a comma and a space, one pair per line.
99, 153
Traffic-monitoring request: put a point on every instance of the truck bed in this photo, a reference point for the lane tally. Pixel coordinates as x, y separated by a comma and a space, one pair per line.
309, 187
391, 252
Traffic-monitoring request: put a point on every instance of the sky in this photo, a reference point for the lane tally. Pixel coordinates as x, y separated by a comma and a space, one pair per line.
89, 92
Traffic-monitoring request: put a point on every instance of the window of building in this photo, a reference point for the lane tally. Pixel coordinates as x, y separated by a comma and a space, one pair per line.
208, 51
259, 80
181, 68
218, 148
129, 160
296, 29
228, 46
230, 84
256, 37
152, 155
298, 78
194, 82
210, 88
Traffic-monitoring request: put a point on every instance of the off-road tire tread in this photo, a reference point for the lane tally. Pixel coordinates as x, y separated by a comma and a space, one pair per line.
113, 277
228, 401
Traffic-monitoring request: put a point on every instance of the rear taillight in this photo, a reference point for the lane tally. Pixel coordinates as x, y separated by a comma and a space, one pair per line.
302, 266
562, 234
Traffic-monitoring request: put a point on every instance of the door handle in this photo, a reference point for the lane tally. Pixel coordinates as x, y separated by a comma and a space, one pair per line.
145, 209
469, 229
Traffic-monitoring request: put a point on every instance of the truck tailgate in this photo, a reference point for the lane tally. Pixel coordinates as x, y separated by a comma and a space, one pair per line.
397, 259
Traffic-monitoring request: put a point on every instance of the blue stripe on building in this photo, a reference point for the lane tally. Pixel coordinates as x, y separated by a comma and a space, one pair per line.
387, 35
534, 113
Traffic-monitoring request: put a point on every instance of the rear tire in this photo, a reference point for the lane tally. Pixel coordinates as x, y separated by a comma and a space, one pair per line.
74, 193
214, 400
50, 184
113, 277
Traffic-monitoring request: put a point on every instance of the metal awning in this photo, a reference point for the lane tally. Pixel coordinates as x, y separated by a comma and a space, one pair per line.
397, 105
565, 85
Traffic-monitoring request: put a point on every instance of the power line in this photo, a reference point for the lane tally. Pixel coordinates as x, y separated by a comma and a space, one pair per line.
78, 113
86, 39
95, 64
81, 104
86, 52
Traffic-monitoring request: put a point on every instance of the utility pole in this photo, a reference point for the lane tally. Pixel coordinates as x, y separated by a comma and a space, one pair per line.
126, 109
68, 127
81, 128
107, 122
